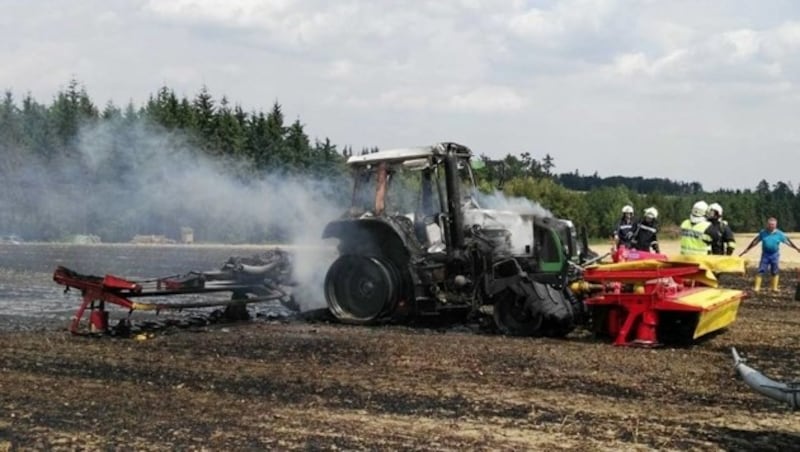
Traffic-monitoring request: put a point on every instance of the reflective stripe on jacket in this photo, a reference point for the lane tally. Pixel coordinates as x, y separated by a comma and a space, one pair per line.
694, 239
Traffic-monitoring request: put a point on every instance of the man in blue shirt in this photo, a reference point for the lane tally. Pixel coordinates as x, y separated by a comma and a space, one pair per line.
771, 239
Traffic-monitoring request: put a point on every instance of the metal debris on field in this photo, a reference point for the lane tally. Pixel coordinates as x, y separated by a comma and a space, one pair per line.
256, 279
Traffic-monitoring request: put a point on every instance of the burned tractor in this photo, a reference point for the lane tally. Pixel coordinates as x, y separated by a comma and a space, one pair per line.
416, 242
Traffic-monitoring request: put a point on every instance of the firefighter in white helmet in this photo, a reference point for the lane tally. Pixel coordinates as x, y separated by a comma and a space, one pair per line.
623, 232
695, 238
722, 240
645, 231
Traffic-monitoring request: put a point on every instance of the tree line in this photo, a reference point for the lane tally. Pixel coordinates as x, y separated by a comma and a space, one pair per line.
599, 209
251, 144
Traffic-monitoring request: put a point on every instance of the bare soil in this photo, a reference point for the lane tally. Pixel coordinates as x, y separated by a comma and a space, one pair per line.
318, 385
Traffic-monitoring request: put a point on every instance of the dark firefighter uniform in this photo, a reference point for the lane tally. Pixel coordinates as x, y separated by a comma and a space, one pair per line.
722, 241
644, 236
624, 232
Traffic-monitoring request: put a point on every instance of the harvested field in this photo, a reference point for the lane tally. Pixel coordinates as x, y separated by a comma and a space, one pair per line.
317, 385
789, 257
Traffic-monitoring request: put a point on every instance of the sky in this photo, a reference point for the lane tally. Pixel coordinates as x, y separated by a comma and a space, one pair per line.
691, 90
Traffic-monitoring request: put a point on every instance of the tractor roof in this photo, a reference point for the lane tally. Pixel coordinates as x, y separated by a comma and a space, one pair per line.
403, 154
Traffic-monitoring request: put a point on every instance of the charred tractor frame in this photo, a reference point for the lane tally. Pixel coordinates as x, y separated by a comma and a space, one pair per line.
416, 242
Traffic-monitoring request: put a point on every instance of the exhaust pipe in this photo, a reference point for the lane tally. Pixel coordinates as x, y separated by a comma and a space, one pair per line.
782, 392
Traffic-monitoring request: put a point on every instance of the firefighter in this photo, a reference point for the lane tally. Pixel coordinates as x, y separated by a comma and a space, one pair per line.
623, 233
771, 238
722, 241
644, 233
695, 238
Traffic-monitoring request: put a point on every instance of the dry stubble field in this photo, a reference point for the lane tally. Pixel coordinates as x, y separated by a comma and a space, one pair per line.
317, 385
789, 257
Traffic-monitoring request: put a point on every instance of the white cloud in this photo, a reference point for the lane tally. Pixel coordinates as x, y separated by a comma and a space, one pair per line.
536, 24
479, 99
108, 18
745, 43
299, 24
487, 99
234, 12
632, 64
563, 20
340, 69
638, 64
182, 75
576, 78
788, 35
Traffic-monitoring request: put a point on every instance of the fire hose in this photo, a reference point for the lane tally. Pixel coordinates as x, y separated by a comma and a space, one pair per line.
782, 392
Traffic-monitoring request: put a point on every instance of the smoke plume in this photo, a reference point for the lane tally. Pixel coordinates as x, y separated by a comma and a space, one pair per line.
499, 201
126, 179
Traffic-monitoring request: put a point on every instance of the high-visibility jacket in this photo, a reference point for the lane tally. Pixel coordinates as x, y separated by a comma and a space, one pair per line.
694, 237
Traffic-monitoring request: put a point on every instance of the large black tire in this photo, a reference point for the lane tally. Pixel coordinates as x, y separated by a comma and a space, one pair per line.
362, 289
513, 316
579, 309
558, 314
534, 309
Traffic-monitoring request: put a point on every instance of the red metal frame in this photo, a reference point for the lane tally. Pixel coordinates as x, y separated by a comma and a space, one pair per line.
633, 317
96, 291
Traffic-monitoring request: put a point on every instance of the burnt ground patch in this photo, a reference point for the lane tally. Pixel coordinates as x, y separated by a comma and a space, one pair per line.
298, 391
750, 440
318, 385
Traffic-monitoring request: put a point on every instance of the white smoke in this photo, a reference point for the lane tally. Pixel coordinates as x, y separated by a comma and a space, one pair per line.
177, 184
499, 201
512, 214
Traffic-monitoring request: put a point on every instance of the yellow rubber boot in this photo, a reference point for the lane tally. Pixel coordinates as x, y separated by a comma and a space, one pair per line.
774, 283
757, 284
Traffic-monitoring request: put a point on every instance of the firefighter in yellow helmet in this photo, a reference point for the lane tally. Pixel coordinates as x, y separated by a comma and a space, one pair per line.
695, 238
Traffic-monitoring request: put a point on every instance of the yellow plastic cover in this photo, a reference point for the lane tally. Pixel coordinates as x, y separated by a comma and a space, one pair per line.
707, 266
719, 308
703, 275
717, 264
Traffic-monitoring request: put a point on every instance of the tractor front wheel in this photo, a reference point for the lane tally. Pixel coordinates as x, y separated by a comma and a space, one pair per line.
513, 316
361, 289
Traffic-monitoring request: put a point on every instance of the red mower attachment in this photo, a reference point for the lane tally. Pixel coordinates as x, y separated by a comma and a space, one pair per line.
647, 303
